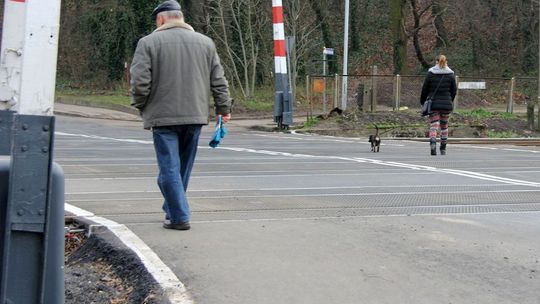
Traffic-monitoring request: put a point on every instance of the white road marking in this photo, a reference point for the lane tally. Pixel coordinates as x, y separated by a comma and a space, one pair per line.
520, 150
169, 282
145, 142
396, 164
248, 176
460, 221
484, 148
199, 163
360, 160
327, 138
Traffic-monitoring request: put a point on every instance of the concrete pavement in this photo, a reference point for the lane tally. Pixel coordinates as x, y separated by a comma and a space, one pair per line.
285, 218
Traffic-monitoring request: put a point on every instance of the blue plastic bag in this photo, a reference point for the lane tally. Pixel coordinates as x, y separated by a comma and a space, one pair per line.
219, 134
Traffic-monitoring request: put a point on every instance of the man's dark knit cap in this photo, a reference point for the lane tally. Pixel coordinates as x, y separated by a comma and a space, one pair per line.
168, 5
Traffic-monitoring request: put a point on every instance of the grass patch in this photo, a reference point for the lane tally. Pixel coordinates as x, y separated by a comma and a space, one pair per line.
504, 134
97, 99
394, 126
116, 96
261, 101
311, 122
255, 105
485, 114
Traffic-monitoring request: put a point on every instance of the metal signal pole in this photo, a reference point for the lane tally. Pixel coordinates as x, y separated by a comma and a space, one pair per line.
344, 84
283, 106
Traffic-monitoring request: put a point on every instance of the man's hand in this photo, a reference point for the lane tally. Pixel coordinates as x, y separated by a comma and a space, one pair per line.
226, 118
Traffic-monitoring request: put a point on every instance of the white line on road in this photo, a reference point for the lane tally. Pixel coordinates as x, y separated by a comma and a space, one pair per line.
326, 138
521, 150
395, 164
168, 281
146, 142
249, 176
360, 160
201, 162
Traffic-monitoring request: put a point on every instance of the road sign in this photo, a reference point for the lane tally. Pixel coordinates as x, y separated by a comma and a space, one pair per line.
328, 51
481, 85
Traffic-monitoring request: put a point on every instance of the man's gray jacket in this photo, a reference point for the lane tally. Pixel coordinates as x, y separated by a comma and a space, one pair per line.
173, 72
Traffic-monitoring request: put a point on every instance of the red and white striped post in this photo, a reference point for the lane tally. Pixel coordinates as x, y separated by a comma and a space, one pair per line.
282, 105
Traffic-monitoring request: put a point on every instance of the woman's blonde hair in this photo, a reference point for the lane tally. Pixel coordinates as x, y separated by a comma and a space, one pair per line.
441, 60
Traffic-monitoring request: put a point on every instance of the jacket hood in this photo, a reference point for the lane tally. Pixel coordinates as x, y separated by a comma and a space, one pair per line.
173, 23
437, 70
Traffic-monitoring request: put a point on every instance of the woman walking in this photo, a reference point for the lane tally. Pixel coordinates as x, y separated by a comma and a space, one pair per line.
440, 87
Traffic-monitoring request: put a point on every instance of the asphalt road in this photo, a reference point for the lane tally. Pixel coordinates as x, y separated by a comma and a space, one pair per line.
287, 218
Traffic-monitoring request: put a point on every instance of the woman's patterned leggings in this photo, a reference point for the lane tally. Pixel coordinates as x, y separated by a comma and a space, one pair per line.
439, 120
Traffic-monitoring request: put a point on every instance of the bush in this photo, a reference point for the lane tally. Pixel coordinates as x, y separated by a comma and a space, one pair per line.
98, 37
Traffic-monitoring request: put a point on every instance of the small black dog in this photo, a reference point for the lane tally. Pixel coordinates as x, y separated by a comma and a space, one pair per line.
375, 140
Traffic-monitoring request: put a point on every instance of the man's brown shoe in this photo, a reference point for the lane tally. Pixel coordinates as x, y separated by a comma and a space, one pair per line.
180, 226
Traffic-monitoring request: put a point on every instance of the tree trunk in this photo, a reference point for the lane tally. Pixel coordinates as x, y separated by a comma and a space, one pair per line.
442, 35
399, 37
194, 14
355, 27
416, 39
325, 29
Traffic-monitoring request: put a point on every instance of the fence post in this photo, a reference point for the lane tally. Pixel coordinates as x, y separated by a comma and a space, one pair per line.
456, 100
308, 96
336, 90
510, 105
530, 114
397, 91
324, 81
538, 118
374, 73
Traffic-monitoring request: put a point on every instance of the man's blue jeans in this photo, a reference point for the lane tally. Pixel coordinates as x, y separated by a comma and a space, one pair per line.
176, 148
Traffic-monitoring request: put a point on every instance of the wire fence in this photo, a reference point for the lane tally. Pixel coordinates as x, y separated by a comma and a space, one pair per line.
372, 93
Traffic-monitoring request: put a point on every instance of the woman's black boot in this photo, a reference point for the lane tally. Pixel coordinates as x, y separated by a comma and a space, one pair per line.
443, 149
433, 146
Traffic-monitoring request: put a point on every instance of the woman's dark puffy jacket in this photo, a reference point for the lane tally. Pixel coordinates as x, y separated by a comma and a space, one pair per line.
444, 97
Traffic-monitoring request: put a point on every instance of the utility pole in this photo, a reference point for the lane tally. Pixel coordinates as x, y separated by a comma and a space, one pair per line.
538, 118
344, 84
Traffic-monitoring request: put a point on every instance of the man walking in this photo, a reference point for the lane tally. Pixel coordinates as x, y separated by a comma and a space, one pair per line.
174, 70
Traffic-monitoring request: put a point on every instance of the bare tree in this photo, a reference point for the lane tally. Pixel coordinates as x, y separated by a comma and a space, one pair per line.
418, 14
322, 10
234, 24
301, 23
399, 37
437, 10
